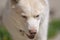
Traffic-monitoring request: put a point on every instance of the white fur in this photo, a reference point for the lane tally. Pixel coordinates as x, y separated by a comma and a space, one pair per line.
33, 8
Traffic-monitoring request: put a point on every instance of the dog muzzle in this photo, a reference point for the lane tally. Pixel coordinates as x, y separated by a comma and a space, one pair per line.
30, 36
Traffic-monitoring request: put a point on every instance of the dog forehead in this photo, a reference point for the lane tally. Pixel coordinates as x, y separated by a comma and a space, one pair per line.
31, 6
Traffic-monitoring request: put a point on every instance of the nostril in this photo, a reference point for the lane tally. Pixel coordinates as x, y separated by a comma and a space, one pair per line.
31, 32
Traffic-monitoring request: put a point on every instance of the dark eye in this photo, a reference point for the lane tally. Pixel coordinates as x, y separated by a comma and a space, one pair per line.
24, 17
37, 16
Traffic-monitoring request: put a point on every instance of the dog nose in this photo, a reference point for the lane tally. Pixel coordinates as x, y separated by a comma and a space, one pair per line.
32, 31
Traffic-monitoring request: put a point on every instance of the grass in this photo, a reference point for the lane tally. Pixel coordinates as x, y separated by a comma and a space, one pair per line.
4, 34
54, 27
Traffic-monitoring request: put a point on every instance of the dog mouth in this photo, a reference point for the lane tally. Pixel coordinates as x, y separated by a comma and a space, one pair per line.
30, 36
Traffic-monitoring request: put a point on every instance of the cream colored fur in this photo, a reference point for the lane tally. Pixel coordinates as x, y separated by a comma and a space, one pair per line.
30, 9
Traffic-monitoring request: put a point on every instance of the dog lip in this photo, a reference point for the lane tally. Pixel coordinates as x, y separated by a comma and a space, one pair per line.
31, 36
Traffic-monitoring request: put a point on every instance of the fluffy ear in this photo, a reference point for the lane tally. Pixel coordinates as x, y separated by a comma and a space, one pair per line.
13, 3
44, 2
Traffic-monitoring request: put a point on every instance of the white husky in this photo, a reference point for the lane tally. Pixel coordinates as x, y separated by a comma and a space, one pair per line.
34, 15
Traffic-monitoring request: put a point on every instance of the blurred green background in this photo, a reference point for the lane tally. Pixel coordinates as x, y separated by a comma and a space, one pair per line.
4, 34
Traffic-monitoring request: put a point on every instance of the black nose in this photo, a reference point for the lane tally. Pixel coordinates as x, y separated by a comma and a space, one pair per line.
32, 32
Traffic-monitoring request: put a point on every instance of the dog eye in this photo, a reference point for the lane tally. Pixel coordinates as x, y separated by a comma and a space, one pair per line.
24, 17
37, 16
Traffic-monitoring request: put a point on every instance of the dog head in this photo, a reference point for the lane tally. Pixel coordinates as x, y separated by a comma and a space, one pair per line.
30, 11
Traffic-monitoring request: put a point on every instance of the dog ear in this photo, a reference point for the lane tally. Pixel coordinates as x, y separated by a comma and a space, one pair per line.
44, 2
13, 3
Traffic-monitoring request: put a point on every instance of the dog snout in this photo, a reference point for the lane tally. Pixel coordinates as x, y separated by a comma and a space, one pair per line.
32, 32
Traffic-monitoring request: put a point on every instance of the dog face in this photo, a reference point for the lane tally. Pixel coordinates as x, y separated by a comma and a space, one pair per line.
31, 13
32, 20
